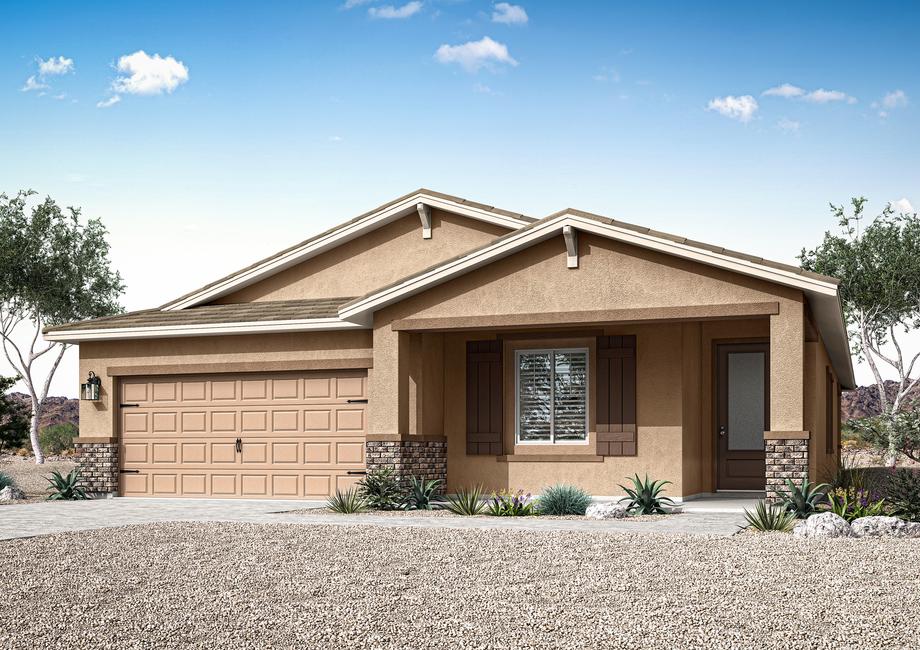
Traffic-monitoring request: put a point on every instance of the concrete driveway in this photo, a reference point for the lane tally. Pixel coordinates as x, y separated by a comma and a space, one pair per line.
29, 520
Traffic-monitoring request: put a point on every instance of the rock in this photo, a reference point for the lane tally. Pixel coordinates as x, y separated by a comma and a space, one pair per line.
884, 527
825, 524
11, 493
607, 511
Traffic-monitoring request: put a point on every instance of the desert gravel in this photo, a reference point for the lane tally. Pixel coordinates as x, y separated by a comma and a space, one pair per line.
31, 478
314, 586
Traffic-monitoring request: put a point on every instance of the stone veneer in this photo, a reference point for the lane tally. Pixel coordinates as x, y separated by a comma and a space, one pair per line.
424, 458
98, 463
786, 458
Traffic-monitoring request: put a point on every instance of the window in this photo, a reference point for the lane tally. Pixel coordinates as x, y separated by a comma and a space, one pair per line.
552, 396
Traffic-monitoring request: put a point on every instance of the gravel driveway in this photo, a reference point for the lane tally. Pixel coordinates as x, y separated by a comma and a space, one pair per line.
235, 585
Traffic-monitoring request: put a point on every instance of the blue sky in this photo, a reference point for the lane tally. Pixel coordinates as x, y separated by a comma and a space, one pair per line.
243, 127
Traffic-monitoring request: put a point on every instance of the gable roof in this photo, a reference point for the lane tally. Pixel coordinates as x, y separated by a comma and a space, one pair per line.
379, 216
821, 290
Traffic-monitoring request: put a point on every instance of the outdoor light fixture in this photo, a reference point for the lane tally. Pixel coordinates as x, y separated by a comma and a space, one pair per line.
90, 390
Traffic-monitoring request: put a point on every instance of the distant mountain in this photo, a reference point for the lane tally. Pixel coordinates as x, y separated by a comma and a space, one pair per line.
58, 410
863, 401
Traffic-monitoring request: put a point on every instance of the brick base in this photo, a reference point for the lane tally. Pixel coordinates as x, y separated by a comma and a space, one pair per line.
98, 463
786, 458
421, 458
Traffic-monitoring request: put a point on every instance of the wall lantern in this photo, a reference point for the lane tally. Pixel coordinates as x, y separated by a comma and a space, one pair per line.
90, 390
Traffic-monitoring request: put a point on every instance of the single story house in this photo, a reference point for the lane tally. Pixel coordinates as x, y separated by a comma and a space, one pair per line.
450, 339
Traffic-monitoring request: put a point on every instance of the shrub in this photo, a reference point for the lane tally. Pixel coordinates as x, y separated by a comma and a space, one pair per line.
66, 488
852, 504
506, 504
466, 502
14, 417
381, 490
902, 430
805, 500
346, 503
645, 496
903, 492
849, 475
766, 518
57, 439
6, 480
422, 493
563, 500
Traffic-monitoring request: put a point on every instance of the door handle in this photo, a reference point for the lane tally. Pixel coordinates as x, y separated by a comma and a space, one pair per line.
239, 445
722, 431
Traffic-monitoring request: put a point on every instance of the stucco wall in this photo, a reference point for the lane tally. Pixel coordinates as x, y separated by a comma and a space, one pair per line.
373, 260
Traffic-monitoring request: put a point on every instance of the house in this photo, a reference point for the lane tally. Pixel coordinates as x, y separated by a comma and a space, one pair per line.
450, 339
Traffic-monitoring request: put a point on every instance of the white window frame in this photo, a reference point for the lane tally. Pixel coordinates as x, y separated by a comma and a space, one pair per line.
552, 429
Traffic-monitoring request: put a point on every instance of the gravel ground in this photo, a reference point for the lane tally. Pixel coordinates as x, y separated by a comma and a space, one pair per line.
31, 478
447, 513
243, 585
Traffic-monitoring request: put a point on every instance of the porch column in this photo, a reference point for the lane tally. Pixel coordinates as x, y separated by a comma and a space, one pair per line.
786, 444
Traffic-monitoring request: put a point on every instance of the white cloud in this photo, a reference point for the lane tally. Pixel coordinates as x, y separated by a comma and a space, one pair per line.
111, 101
33, 84
737, 108
607, 74
509, 14
784, 90
149, 75
902, 206
389, 11
789, 126
475, 54
54, 66
895, 99
336, 138
822, 96
351, 4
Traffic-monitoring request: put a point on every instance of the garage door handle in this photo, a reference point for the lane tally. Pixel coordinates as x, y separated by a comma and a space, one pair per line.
239, 445
129, 471
129, 406
356, 472
356, 401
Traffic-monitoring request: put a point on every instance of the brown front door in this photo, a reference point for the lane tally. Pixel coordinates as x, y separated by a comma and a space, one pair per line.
742, 414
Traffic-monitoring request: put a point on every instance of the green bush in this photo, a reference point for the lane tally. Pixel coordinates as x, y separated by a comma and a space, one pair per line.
563, 500
853, 504
381, 489
346, 503
14, 418
57, 439
66, 488
766, 518
805, 500
422, 493
506, 504
466, 502
904, 494
6, 480
645, 496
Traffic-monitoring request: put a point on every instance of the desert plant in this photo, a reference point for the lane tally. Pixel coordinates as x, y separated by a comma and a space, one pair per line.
346, 503
766, 518
466, 502
58, 438
66, 488
563, 500
903, 492
14, 417
422, 493
645, 496
852, 504
849, 475
381, 490
507, 504
803, 500
6, 480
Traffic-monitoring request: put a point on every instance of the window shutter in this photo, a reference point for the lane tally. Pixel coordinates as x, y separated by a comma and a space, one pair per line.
484, 398
616, 395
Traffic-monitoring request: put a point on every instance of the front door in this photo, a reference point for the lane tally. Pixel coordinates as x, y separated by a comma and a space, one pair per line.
742, 415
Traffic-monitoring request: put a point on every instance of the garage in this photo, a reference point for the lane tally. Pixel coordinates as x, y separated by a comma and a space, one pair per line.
261, 436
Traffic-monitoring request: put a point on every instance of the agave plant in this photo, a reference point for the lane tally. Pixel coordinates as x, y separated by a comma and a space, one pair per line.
66, 488
803, 500
466, 502
422, 493
347, 503
769, 517
645, 496
5, 480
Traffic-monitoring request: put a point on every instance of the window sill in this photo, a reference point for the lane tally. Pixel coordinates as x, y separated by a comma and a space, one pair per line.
550, 458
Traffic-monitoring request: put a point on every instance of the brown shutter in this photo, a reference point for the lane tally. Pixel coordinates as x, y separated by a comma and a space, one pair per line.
616, 395
484, 398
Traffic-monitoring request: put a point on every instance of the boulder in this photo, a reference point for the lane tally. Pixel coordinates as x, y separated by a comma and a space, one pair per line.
11, 493
825, 524
884, 527
606, 511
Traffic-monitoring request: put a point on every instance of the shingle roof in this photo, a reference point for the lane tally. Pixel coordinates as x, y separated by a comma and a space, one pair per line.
214, 314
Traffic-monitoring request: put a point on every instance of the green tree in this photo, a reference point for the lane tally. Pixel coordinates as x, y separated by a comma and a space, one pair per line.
58, 438
53, 269
14, 417
878, 265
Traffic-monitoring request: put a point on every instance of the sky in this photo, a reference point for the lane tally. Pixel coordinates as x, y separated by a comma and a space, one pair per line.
207, 135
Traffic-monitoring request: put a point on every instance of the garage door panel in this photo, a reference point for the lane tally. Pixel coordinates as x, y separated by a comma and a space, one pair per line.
299, 436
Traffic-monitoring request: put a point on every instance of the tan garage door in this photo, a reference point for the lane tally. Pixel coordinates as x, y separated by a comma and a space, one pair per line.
281, 436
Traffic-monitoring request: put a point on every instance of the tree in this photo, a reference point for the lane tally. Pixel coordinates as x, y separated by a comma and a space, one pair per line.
53, 270
879, 271
14, 417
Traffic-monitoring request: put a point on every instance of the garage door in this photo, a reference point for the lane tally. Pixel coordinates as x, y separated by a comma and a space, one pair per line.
282, 436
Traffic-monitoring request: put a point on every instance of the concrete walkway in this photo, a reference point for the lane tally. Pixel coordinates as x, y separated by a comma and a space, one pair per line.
29, 520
